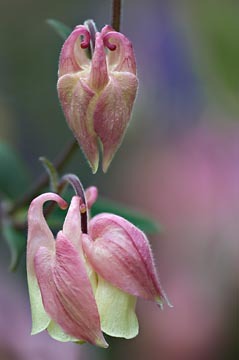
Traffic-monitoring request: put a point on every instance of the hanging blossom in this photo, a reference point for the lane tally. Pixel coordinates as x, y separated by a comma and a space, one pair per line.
82, 284
97, 94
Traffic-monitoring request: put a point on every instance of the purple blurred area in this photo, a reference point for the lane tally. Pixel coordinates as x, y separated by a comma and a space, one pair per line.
179, 163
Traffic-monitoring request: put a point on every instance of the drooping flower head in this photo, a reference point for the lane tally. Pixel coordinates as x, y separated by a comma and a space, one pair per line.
61, 295
97, 94
87, 281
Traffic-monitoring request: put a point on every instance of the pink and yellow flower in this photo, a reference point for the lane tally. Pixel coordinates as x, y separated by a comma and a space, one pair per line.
81, 285
97, 94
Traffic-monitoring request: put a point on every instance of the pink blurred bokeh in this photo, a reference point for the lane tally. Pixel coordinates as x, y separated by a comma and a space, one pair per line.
192, 187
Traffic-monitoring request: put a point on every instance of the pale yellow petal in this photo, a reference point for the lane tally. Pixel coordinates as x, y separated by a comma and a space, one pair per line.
117, 311
56, 332
40, 319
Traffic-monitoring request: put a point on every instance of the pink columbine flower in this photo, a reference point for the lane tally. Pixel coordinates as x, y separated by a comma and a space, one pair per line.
97, 94
81, 285
61, 294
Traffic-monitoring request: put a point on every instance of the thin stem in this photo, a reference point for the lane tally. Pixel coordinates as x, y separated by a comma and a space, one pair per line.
59, 164
116, 14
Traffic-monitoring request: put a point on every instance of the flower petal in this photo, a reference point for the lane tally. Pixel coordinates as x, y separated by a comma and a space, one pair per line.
72, 229
78, 103
98, 73
39, 234
112, 113
121, 57
73, 57
72, 223
121, 254
117, 311
91, 194
66, 291
56, 332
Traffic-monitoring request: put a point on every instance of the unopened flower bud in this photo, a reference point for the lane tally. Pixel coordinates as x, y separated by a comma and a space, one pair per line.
97, 94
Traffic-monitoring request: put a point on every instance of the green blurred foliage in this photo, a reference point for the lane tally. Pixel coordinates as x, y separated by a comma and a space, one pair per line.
61, 29
14, 176
16, 241
142, 221
217, 47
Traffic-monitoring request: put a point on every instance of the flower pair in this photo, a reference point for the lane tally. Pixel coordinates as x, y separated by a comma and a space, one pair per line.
97, 94
80, 284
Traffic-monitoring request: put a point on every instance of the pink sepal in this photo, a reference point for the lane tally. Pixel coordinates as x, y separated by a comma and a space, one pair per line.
112, 113
76, 97
98, 76
121, 254
66, 291
121, 57
39, 233
91, 194
73, 57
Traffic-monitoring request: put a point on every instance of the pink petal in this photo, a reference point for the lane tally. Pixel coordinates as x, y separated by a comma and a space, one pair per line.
106, 29
39, 233
112, 113
122, 58
121, 254
98, 74
75, 97
91, 195
66, 291
72, 223
73, 57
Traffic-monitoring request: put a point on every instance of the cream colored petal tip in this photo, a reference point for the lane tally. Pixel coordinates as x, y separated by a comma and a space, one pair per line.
117, 311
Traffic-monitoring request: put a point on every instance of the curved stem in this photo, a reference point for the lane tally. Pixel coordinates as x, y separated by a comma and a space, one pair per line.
74, 181
59, 164
116, 14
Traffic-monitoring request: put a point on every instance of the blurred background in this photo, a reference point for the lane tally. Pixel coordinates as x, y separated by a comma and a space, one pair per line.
179, 163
